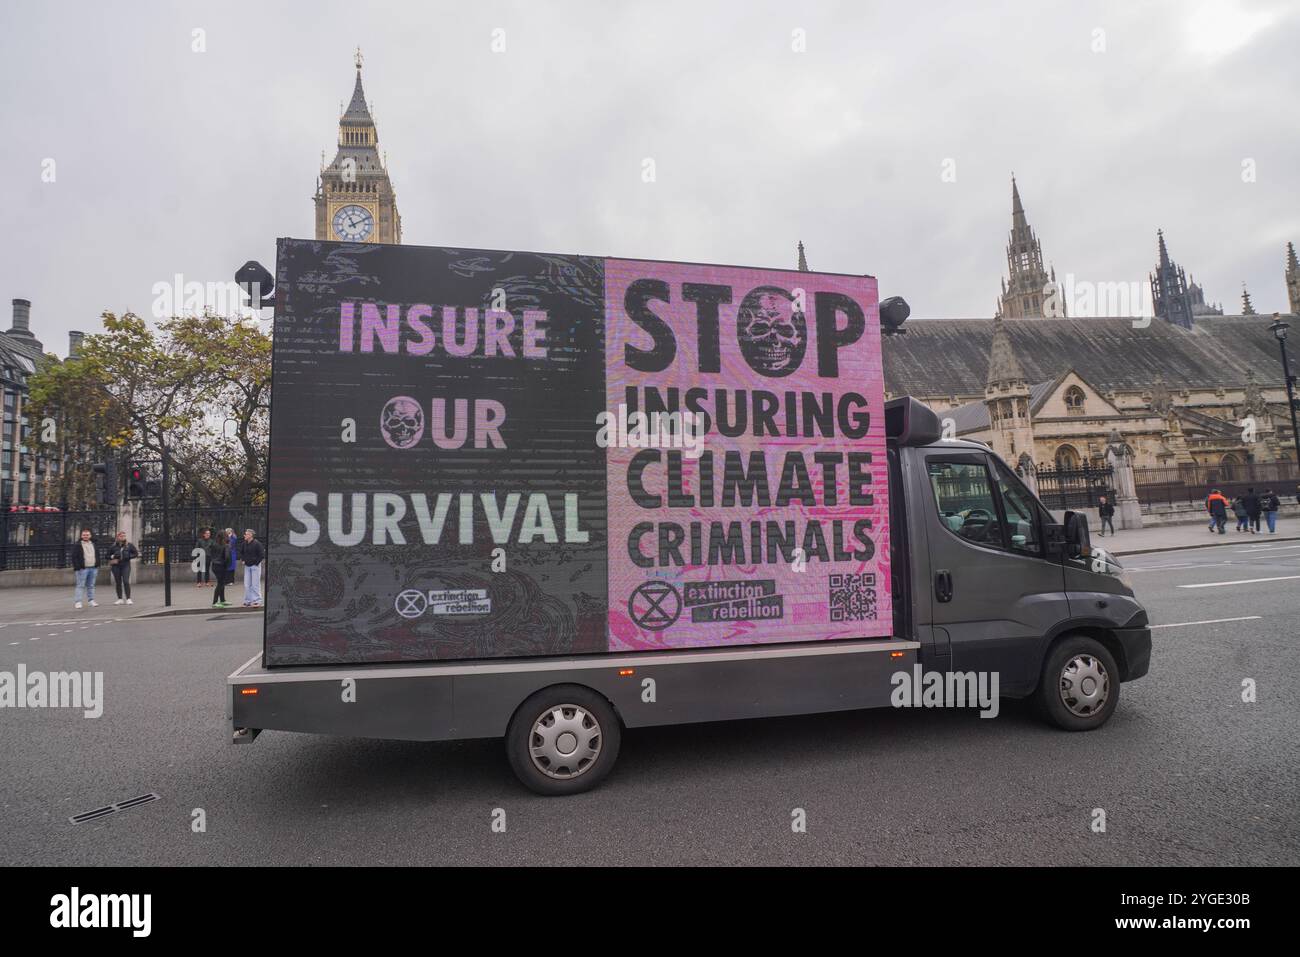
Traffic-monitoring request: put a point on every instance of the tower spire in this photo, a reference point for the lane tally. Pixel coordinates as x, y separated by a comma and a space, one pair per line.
1247, 309
803, 260
1292, 280
1024, 295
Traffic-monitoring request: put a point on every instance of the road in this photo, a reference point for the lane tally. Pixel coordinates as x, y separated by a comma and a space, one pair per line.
1186, 772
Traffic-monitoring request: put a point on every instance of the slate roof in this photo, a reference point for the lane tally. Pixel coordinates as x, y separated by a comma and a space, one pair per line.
950, 357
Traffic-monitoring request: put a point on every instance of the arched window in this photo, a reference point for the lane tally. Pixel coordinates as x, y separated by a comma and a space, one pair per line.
1231, 466
1074, 400
1067, 457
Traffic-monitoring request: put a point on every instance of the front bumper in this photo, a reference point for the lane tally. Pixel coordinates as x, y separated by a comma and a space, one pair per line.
1136, 643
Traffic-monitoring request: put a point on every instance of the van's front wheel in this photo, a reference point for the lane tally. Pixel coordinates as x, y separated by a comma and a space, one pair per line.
1079, 688
563, 740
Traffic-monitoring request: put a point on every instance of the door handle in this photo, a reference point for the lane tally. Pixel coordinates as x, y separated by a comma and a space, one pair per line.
943, 585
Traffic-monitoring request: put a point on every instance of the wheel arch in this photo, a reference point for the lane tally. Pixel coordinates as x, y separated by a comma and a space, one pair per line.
1099, 629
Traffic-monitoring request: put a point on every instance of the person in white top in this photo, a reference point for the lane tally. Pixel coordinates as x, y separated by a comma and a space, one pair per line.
85, 566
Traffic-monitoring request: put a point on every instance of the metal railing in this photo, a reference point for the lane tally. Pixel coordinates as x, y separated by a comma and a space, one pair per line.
1061, 488
1189, 484
30, 540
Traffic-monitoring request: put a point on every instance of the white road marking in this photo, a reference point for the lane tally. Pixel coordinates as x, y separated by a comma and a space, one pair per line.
1229, 561
12, 643
53, 634
37, 638
1208, 621
1242, 581
1268, 548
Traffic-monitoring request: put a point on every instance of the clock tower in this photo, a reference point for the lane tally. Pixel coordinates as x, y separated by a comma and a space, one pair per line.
355, 201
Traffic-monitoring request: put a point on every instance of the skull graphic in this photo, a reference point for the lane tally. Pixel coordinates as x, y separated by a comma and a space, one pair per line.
773, 334
402, 422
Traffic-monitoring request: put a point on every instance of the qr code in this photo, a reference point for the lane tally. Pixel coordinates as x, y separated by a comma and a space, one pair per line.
853, 597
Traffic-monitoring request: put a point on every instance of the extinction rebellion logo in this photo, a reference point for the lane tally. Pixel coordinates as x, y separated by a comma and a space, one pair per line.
657, 605
413, 603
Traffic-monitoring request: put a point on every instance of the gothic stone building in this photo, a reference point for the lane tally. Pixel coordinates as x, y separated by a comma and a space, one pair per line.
1053, 390
1180, 388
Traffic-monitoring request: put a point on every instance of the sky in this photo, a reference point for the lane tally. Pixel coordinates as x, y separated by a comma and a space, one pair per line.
883, 135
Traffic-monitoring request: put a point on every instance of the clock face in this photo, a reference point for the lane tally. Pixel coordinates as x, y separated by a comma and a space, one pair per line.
353, 224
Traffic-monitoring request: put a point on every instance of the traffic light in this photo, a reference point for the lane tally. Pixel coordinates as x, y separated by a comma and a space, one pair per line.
135, 486
106, 482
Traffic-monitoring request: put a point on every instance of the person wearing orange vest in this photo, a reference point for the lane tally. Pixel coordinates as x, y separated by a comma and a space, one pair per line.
1217, 506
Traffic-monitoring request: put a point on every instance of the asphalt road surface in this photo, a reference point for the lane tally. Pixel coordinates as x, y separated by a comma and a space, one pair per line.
1185, 772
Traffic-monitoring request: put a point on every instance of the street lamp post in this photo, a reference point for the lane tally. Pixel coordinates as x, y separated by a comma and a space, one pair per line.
1279, 330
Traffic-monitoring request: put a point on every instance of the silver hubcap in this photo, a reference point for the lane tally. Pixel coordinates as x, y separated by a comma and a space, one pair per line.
565, 741
1085, 685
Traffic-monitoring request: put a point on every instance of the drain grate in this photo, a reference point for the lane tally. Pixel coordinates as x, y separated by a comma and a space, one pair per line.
108, 809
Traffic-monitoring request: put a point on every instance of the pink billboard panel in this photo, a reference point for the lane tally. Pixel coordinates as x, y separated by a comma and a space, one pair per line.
745, 456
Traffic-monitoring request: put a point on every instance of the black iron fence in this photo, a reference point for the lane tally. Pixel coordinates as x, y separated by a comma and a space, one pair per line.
187, 522
1190, 484
1060, 488
43, 539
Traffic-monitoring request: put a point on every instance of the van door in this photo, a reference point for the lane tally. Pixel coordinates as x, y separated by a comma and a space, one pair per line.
992, 586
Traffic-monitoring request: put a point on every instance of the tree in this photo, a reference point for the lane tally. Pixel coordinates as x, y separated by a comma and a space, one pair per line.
196, 390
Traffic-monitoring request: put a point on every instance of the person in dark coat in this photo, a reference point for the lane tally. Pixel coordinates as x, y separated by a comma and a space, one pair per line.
120, 555
203, 577
1106, 512
1251, 502
251, 553
1217, 506
1270, 503
220, 561
1239, 510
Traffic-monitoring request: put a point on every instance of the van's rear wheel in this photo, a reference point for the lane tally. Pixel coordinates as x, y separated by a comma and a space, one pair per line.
1079, 688
563, 740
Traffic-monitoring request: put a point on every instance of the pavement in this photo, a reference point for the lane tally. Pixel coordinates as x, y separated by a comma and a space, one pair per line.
1160, 538
37, 603
1191, 770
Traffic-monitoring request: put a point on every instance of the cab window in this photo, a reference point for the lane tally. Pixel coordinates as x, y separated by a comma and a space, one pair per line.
964, 496
1022, 513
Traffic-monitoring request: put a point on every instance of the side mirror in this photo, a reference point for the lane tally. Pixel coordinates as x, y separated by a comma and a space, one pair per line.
1076, 534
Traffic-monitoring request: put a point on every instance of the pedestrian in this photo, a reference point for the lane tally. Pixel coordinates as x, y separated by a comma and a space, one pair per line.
1217, 506
1251, 501
120, 555
203, 577
1239, 510
251, 553
1107, 513
1270, 503
232, 541
220, 564
85, 566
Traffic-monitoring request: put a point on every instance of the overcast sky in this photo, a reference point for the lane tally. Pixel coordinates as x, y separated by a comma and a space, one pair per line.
172, 161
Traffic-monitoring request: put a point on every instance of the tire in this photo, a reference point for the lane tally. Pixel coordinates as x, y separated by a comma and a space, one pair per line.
1079, 686
563, 740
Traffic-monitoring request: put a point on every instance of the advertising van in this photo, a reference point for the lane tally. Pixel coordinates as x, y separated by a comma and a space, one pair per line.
548, 497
